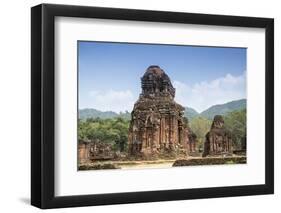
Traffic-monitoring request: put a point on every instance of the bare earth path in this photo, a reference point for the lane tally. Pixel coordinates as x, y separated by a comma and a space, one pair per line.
164, 163
147, 164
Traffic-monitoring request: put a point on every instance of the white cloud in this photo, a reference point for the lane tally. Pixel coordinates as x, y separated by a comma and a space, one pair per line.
202, 95
199, 96
112, 100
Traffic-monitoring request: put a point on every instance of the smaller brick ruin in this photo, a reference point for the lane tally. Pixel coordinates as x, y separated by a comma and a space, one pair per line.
91, 151
83, 152
218, 140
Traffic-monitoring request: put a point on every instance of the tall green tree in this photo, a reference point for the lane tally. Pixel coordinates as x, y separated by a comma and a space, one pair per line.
111, 131
236, 123
200, 126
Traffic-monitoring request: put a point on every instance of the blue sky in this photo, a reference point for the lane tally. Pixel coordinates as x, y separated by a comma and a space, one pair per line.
109, 73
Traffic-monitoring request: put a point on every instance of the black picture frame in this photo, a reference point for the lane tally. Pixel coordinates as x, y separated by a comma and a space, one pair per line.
43, 102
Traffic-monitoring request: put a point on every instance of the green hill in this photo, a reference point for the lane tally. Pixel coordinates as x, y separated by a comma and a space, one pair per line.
190, 113
93, 113
223, 109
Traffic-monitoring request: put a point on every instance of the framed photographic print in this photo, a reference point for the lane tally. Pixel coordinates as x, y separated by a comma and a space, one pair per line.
139, 106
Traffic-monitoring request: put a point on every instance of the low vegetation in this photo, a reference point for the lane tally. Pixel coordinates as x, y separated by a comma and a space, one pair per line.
210, 161
113, 131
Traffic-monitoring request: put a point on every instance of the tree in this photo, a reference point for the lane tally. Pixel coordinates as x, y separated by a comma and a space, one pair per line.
236, 123
200, 126
110, 131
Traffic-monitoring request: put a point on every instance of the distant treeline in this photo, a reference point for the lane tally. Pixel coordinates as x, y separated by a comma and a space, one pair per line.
111, 130
115, 130
94, 113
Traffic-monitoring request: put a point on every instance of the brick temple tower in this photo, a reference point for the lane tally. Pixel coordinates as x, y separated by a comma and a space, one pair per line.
218, 140
157, 124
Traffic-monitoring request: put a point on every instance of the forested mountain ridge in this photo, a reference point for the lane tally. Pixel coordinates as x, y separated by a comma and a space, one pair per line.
190, 113
223, 109
94, 113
